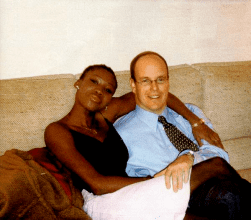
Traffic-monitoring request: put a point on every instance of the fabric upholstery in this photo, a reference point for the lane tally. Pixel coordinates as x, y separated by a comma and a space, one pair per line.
239, 151
227, 98
221, 90
28, 105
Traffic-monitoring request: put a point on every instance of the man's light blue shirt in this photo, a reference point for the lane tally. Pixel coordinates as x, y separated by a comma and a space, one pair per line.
149, 148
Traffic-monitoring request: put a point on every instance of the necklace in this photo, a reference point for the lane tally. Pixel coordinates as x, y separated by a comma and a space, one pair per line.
90, 130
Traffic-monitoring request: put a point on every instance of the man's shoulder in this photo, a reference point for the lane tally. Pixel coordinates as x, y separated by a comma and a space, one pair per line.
192, 107
126, 120
196, 110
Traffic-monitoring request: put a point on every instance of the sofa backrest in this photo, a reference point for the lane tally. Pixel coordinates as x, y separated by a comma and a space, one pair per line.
227, 97
28, 105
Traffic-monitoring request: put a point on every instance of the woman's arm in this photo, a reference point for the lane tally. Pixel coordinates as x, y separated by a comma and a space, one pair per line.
122, 105
201, 131
60, 142
119, 106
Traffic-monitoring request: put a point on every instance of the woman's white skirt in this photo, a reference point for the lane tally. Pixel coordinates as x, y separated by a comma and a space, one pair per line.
145, 200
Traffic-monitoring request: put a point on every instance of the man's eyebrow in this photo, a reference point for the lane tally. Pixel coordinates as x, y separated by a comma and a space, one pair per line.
144, 77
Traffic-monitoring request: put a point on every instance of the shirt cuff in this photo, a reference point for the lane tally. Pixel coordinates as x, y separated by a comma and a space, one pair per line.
185, 152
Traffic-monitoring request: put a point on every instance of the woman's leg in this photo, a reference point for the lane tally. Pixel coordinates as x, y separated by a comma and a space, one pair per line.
217, 191
212, 168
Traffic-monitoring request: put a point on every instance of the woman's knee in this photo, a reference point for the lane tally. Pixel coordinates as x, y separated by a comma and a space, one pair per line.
219, 161
214, 167
224, 169
219, 199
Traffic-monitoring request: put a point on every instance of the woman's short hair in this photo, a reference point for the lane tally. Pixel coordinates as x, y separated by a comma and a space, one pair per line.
98, 67
135, 59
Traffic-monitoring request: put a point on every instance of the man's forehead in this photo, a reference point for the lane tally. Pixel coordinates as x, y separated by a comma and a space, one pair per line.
149, 57
151, 60
149, 64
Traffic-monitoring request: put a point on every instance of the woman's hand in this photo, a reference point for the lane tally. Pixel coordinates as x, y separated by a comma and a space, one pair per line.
202, 131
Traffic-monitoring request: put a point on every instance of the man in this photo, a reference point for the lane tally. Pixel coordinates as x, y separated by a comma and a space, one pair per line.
153, 152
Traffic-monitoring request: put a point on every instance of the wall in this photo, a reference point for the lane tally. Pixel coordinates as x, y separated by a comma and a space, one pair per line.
52, 37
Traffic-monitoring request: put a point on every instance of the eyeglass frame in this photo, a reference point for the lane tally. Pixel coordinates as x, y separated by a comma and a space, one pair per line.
149, 82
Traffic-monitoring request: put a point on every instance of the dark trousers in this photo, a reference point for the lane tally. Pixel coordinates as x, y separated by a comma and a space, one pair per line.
222, 198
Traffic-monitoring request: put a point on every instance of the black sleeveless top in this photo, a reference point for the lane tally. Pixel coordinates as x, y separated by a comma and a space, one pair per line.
109, 157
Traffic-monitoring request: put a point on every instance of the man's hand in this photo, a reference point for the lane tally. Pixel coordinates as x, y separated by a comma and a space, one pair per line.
177, 170
202, 131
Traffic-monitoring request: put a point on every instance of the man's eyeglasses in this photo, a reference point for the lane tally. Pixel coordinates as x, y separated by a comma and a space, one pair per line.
148, 82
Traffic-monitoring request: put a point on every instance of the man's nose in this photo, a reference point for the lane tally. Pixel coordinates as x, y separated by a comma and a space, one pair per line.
154, 85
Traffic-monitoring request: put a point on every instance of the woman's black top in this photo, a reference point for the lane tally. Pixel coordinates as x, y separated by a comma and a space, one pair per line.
109, 157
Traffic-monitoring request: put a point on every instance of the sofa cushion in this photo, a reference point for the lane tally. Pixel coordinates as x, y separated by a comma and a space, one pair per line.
227, 97
239, 152
28, 105
185, 83
123, 78
245, 174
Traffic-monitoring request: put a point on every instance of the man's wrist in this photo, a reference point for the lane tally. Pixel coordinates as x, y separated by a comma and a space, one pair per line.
191, 154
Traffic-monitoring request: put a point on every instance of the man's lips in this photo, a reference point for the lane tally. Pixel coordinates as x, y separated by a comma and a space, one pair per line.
154, 96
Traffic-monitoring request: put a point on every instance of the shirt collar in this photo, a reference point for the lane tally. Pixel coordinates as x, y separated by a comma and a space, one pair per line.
150, 118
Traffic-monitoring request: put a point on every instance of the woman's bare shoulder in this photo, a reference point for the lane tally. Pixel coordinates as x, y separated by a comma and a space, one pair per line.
57, 132
57, 126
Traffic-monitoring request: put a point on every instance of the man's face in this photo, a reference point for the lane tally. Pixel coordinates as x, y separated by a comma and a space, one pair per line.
152, 83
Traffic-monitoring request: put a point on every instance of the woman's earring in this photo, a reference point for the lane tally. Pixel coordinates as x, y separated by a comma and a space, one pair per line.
77, 87
106, 108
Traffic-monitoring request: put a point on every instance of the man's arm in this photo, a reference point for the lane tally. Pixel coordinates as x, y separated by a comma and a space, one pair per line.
179, 169
178, 172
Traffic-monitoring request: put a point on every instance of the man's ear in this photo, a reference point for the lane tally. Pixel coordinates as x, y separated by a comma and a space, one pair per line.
133, 86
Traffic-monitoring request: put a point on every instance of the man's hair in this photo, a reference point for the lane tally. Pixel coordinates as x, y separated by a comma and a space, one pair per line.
135, 59
98, 67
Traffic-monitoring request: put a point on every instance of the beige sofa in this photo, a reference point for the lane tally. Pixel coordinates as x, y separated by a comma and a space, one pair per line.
221, 90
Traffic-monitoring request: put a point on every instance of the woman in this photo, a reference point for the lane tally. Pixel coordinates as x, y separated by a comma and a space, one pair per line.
86, 142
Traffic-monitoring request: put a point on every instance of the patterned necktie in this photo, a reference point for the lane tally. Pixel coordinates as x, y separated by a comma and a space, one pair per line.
177, 138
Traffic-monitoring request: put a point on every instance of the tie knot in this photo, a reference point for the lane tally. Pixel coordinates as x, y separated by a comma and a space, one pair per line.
162, 119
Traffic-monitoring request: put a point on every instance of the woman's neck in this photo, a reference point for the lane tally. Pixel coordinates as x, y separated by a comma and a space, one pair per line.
82, 118
90, 123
